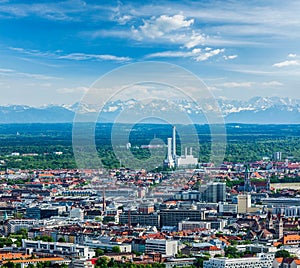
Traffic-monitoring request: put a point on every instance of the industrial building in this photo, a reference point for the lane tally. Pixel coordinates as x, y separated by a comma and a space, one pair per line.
173, 160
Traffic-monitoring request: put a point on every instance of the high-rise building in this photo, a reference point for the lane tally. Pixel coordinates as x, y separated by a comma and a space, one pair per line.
214, 192
244, 203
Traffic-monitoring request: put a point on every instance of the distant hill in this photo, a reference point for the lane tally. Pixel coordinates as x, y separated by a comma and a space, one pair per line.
258, 110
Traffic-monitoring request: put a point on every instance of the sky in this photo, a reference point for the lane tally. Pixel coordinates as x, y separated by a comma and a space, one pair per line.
51, 52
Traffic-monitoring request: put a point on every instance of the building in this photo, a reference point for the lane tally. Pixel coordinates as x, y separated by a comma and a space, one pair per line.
82, 263
188, 195
26, 262
133, 217
227, 208
169, 161
291, 239
146, 208
107, 245
14, 226
244, 203
60, 249
262, 260
192, 225
214, 192
277, 156
77, 213
41, 213
186, 160
163, 246
287, 212
171, 217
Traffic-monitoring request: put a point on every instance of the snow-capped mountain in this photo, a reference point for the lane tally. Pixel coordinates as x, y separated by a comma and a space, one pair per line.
258, 110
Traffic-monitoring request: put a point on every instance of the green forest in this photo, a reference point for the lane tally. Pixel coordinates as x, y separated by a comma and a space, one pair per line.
37, 145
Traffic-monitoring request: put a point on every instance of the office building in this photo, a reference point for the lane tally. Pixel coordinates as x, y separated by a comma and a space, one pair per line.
171, 217
134, 218
41, 213
214, 192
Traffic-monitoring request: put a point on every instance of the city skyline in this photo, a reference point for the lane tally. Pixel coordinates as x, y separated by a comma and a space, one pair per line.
53, 52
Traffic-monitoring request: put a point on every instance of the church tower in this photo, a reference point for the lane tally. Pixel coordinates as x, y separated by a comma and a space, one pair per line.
247, 182
269, 223
279, 227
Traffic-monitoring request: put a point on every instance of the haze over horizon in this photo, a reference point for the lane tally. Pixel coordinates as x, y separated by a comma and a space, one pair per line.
51, 53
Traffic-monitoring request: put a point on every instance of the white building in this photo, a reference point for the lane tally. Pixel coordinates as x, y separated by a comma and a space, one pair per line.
108, 245
262, 260
60, 249
14, 226
165, 247
82, 263
191, 225
186, 160
226, 208
77, 213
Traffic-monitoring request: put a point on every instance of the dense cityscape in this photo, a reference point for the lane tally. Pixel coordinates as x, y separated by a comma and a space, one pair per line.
149, 134
188, 214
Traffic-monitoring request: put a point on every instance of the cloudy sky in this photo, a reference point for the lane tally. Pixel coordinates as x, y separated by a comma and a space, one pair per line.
52, 51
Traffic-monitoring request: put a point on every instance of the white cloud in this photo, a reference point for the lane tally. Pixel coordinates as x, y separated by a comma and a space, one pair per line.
209, 54
172, 54
197, 54
272, 83
230, 57
66, 90
72, 56
157, 27
249, 84
176, 29
195, 40
83, 56
237, 84
286, 63
14, 73
291, 55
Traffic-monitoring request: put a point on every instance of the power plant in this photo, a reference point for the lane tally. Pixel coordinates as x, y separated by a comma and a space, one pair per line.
173, 160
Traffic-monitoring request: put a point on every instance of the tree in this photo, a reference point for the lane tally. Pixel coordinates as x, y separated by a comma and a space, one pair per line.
282, 254
9, 265
111, 263
102, 262
62, 240
99, 252
23, 232
232, 252
116, 249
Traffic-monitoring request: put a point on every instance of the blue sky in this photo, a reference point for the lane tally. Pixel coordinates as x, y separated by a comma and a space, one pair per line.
52, 51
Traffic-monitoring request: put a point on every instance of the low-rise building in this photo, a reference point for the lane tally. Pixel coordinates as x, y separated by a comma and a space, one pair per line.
163, 246
262, 260
62, 249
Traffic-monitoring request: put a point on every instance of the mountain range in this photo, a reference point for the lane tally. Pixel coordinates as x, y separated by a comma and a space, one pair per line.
258, 110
